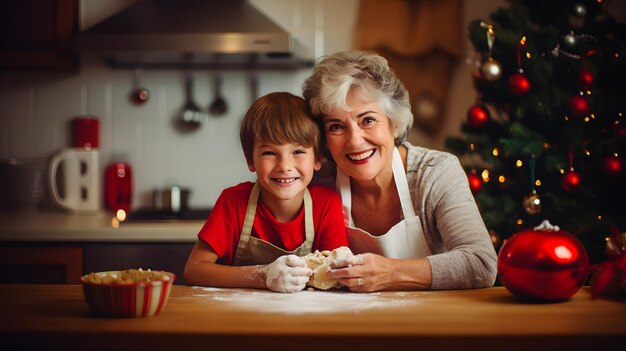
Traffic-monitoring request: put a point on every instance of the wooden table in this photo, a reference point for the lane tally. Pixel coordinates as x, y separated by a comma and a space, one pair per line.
47, 317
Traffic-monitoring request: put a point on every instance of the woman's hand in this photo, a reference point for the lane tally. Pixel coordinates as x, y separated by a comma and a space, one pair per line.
287, 273
364, 272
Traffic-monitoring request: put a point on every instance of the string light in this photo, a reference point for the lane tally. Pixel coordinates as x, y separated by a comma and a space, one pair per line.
495, 151
519, 163
520, 221
502, 179
538, 182
485, 175
472, 146
562, 171
566, 118
546, 145
587, 152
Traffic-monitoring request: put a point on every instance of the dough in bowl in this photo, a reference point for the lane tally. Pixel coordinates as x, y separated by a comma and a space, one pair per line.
319, 263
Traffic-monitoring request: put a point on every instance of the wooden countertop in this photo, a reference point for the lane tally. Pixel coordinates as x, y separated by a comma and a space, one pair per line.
57, 317
98, 226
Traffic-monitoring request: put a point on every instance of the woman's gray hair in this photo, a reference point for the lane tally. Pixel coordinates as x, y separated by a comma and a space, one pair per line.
334, 76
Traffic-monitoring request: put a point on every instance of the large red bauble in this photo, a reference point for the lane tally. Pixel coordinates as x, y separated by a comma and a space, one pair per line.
519, 84
579, 106
477, 116
570, 180
543, 265
585, 79
475, 182
613, 165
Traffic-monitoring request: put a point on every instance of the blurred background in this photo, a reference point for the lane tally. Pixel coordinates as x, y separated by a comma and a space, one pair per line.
47, 82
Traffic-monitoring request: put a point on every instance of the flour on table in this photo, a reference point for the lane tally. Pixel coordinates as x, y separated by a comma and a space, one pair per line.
309, 302
319, 262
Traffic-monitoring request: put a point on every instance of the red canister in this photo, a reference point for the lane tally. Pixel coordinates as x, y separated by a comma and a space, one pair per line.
118, 186
86, 132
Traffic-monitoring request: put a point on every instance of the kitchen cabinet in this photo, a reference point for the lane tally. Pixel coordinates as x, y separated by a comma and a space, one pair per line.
171, 257
57, 248
37, 34
41, 264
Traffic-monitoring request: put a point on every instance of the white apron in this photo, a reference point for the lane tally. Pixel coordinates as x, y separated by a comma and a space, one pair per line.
251, 250
403, 240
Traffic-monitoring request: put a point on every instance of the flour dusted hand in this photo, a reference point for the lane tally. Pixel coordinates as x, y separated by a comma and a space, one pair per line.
288, 273
319, 263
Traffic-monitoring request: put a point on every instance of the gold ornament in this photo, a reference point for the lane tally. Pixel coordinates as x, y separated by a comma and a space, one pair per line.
570, 39
615, 246
532, 203
491, 69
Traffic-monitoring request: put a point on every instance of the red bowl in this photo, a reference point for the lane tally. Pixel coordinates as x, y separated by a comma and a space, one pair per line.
127, 299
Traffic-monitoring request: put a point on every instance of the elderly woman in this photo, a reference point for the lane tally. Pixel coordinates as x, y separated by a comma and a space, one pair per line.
412, 219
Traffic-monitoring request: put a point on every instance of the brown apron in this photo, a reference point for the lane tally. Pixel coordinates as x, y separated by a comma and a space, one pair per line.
251, 250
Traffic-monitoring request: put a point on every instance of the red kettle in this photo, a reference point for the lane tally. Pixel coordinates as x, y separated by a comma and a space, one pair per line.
118, 186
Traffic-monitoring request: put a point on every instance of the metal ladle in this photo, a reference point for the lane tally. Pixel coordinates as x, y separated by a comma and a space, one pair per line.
218, 107
190, 117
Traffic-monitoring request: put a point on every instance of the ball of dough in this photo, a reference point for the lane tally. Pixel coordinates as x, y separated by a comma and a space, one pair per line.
319, 263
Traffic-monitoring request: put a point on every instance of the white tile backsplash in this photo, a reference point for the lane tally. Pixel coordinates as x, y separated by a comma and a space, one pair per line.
37, 111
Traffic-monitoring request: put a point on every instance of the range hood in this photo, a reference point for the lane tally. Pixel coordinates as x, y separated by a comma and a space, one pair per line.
191, 33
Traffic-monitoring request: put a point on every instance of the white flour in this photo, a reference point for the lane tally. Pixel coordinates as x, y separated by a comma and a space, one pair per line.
306, 301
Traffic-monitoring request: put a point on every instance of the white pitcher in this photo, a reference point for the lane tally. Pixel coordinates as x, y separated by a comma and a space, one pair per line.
81, 180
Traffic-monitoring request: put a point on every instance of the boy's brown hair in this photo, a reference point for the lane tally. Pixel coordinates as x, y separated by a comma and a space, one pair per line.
279, 118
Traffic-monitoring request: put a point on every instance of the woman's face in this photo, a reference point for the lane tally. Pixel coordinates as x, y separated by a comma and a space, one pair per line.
361, 141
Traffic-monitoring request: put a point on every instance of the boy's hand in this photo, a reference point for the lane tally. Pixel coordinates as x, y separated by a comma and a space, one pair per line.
288, 273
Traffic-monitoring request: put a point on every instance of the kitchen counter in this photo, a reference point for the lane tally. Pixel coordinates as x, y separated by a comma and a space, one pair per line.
92, 227
54, 317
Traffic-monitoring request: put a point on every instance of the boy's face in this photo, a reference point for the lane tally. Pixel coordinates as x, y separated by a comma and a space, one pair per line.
283, 171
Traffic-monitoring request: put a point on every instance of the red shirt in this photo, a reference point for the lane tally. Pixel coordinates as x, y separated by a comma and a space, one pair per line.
223, 226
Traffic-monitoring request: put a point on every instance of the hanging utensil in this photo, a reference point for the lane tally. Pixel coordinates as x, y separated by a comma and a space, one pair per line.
218, 107
254, 86
139, 95
190, 117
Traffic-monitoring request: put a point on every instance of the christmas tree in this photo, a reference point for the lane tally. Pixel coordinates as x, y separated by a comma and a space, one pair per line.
546, 136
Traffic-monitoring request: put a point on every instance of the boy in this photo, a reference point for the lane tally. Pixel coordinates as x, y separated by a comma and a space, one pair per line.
256, 231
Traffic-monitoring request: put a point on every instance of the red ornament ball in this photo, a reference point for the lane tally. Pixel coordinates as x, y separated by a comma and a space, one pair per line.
478, 116
475, 182
543, 265
579, 106
585, 79
519, 85
570, 180
612, 165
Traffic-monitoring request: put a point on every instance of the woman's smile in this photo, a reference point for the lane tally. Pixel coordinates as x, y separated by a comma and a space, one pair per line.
362, 156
